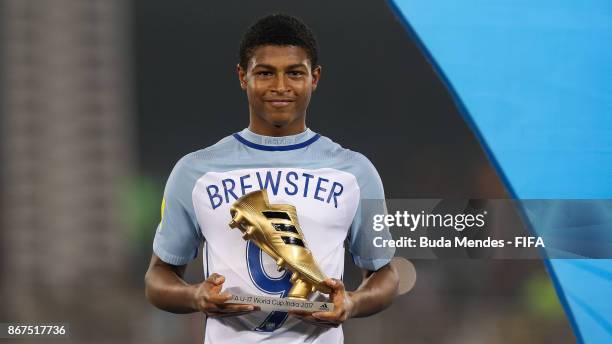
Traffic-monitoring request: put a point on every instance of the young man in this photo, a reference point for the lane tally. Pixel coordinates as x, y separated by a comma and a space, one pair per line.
335, 191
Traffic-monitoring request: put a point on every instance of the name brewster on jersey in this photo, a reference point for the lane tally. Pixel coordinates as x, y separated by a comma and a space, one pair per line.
324, 181
289, 182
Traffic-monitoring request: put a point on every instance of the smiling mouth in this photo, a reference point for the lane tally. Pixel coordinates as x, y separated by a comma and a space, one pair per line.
279, 103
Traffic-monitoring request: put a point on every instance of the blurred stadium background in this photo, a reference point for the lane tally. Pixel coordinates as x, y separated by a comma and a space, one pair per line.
99, 99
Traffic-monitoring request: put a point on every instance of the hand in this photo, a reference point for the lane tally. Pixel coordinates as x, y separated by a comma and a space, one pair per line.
209, 299
343, 306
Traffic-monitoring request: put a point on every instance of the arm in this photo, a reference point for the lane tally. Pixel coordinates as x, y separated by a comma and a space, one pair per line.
175, 244
166, 289
376, 292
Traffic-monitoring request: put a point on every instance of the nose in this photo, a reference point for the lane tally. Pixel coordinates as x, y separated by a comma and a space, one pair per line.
280, 84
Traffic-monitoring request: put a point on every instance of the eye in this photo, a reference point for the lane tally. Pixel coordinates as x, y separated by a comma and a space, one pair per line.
295, 73
264, 73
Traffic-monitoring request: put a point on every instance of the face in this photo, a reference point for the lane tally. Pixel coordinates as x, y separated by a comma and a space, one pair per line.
279, 81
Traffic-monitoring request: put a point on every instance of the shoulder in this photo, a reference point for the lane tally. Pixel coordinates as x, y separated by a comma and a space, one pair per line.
348, 159
222, 148
204, 159
191, 166
356, 164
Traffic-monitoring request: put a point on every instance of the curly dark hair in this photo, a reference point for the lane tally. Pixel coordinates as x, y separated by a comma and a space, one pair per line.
278, 29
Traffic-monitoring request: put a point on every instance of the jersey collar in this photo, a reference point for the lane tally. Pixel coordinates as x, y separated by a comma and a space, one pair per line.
276, 143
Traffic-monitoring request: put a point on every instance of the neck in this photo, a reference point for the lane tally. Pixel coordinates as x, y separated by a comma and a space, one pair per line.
260, 127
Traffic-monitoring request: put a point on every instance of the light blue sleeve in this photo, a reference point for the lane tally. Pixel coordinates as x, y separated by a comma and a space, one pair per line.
178, 235
362, 234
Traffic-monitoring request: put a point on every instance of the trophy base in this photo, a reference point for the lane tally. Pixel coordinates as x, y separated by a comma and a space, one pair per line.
270, 303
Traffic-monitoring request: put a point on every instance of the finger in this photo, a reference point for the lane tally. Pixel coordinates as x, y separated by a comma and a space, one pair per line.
316, 322
209, 308
327, 316
338, 283
219, 299
329, 282
324, 314
335, 284
299, 313
336, 313
215, 279
306, 316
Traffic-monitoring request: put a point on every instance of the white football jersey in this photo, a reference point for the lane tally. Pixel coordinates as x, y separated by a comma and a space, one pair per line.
326, 183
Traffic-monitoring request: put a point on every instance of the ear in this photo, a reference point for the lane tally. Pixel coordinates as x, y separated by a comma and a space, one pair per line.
316, 76
241, 76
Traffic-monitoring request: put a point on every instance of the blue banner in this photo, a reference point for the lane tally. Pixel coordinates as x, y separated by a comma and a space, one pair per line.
534, 82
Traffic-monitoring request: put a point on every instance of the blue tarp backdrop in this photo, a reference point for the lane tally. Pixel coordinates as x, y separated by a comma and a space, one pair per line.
534, 81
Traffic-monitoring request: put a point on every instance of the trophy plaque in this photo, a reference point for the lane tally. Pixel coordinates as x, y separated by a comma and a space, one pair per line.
275, 229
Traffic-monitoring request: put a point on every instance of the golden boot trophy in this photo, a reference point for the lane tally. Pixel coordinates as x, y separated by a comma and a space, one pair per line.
275, 229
